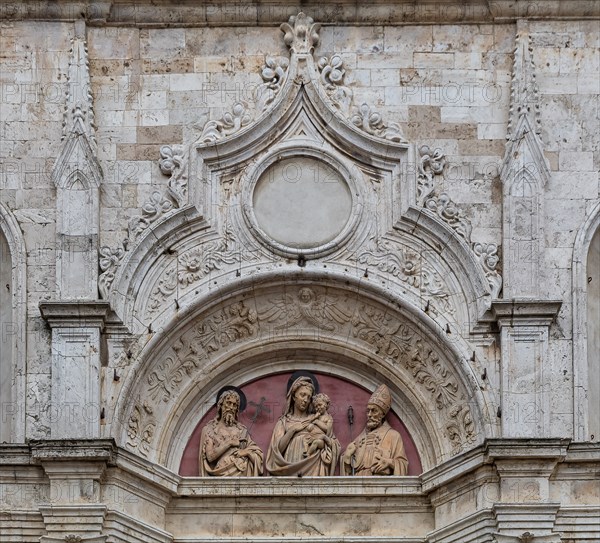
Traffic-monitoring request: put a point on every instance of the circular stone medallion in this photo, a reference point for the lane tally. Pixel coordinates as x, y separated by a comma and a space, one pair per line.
302, 202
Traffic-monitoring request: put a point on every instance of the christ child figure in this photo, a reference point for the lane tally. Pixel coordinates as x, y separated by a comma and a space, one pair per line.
321, 426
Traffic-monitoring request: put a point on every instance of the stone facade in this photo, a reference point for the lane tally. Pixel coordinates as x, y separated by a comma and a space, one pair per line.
195, 196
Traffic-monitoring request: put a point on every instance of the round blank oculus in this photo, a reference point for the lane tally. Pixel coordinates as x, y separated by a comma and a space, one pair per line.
302, 202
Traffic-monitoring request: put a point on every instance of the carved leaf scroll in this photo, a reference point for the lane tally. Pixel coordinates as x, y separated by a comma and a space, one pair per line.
173, 370
410, 268
141, 427
233, 323
109, 260
400, 343
195, 264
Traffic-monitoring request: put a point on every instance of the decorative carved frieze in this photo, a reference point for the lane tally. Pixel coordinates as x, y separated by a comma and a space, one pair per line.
233, 323
398, 342
409, 267
173, 370
195, 264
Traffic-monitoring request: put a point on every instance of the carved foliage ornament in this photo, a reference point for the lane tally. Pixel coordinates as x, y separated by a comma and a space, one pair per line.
301, 33
308, 307
141, 427
233, 323
432, 164
410, 268
109, 262
193, 265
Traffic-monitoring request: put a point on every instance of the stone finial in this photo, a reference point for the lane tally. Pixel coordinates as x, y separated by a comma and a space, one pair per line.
78, 116
524, 99
301, 33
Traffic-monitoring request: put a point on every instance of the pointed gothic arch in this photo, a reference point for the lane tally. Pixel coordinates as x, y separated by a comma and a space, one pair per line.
13, 328
586, 332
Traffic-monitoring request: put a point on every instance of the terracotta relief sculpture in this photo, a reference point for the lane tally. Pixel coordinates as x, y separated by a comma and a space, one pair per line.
378, 450
303, 442
226, 448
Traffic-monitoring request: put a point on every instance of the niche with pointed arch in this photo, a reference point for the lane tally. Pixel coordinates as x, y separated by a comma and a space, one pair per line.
265, 404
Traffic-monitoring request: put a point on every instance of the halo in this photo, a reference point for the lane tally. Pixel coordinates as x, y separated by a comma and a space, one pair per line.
303, 373
239, 393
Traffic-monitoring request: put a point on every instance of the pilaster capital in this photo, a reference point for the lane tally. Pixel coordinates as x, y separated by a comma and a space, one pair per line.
75, 314
523, 312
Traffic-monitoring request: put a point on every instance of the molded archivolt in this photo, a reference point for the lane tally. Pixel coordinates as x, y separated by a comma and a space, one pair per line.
583, 242
13, 412
361, 333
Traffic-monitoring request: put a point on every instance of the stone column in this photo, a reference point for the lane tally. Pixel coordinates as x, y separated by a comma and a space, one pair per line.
525, 377
75, 469
75, 396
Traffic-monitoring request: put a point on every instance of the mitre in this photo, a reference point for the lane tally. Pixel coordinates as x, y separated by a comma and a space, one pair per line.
382, 398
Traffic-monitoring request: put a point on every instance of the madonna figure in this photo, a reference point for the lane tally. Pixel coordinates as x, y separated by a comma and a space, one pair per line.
290, 452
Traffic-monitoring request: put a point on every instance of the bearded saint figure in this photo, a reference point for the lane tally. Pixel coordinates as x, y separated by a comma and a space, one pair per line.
226, 448
378, 450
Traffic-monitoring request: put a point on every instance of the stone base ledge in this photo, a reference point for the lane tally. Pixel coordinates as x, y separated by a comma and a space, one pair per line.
391, 487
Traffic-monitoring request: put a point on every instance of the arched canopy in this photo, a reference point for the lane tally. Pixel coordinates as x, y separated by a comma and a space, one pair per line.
286, 321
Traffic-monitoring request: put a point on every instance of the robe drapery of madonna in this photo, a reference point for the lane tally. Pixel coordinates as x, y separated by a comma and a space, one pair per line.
294, 461
383, 441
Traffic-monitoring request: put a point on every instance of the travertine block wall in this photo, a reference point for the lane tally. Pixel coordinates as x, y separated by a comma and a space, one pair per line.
449, 83
448, 86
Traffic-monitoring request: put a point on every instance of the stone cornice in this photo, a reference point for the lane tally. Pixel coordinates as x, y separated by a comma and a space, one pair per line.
162, 13
75, 314
71, 450
527, 449
523, 312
